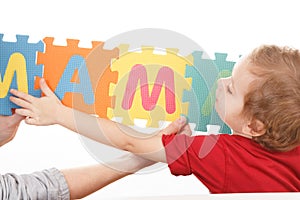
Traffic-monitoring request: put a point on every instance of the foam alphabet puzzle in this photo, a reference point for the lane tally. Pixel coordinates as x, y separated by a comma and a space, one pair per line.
116, 83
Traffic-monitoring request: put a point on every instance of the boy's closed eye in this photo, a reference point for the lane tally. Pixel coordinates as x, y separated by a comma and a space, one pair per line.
229, 90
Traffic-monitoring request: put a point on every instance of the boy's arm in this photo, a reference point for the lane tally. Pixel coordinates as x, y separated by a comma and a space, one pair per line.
49, 110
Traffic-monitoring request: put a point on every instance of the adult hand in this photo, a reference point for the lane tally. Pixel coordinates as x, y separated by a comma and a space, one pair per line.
8, 127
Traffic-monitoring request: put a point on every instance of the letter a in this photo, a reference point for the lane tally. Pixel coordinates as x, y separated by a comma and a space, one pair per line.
84, 86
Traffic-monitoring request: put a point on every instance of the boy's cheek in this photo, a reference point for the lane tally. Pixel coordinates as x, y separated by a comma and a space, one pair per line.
219, 106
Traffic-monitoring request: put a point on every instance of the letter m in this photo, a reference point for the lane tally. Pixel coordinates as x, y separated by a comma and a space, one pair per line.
165, 77
16, 65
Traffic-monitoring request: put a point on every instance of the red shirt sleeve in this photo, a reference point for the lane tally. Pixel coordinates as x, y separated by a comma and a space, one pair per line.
176, 152
203, 156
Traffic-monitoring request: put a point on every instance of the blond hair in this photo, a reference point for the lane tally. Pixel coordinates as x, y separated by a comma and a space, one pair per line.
274, 97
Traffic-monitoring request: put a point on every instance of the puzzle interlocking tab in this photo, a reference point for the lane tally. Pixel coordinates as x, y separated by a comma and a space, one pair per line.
18, 69
201, 97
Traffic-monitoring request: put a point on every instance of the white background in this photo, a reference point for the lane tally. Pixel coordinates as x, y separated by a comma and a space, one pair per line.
232, 27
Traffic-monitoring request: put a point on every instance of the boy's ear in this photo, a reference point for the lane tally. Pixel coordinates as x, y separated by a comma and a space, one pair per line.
254, 128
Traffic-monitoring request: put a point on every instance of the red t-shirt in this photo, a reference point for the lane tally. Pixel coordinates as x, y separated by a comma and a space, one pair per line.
227, 163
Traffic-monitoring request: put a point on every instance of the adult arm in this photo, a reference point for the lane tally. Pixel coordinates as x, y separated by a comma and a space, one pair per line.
73, 183
86, 180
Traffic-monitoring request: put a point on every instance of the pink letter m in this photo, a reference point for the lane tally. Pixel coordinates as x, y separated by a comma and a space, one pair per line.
139, 72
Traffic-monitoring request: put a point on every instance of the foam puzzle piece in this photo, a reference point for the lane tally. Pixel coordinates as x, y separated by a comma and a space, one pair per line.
135, 102
74, 74
201, 97
99, 64
18, 69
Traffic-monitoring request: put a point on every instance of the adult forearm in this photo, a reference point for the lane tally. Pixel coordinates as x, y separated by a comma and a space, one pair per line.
86, 180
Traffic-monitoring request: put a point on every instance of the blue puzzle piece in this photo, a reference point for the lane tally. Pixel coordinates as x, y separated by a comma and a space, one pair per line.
201, 97
28, 51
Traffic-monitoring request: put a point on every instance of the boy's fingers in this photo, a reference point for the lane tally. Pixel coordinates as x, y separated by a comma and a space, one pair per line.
22, 95
175, 126
45, 88
186, 130
20, 102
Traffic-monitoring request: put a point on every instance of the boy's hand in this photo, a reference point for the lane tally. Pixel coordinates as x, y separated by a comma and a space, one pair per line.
179, 126
38, 111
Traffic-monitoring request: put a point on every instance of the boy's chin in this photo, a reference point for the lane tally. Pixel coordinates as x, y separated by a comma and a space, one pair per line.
220, 114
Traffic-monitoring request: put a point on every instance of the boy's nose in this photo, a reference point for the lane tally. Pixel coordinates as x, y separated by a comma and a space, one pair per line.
219, 87
219, 83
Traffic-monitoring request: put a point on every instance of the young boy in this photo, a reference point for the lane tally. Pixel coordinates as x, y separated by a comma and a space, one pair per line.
260, 102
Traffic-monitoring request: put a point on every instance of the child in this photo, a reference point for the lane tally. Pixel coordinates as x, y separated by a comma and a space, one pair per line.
260, 102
